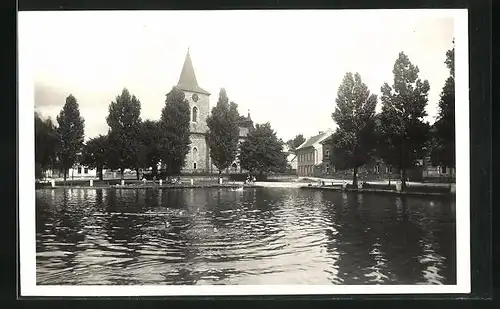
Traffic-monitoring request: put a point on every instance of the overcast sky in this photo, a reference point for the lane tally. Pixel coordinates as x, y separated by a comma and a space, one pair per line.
285, 66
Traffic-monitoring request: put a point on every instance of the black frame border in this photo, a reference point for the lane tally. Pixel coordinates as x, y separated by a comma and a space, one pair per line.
480, 56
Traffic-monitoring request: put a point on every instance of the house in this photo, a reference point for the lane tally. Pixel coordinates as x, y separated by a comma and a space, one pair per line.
310, 155
327, 146
78, 171
291, 158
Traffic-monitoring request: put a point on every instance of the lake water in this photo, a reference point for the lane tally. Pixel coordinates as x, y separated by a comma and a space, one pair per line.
255, 236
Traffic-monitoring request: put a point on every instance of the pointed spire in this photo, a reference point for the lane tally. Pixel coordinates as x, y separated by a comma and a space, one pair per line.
187, 80
249, 115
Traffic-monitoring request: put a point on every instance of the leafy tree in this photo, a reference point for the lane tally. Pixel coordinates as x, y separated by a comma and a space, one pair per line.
124, 121
402, 131
94, 153
175, 125
354, 114
70, 134
45, 144
295, 142
151, 138
223, 132
262, 151
443, 152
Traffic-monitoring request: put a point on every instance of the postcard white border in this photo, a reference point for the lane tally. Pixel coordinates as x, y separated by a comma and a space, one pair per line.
27, 193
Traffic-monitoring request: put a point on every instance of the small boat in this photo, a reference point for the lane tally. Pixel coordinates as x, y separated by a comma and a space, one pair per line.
238, 189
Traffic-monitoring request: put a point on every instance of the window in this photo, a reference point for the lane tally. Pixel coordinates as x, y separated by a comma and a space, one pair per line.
194, 165
443, 169
79, 170
86, 170
195, 154
195, 114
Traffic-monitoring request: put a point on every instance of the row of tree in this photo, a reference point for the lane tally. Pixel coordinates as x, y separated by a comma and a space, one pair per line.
398, 135
135, 144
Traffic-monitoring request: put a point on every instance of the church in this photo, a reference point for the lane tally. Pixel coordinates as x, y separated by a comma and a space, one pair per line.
198, 159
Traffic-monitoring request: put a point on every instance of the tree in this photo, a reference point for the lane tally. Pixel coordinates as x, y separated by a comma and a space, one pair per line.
355, 116
295, 142
402, 131
223, 132
124, 121
262, 151
45, 144
70, 134
94, 153
175, 125
443, 152
151, 139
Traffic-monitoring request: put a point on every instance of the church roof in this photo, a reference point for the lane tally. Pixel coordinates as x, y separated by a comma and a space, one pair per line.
187, 81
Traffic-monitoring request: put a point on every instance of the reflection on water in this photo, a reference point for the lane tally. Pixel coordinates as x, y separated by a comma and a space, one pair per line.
255, 236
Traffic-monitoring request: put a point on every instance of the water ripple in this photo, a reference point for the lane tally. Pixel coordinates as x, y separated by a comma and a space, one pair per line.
258, 236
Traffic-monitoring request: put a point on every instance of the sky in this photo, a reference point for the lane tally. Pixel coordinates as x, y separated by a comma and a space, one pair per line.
283, 66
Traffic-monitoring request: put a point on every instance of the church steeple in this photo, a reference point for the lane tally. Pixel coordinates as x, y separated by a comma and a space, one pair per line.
187, 80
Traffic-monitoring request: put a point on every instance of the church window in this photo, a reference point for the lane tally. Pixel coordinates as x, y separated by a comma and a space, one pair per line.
195, 154
195, 114
194, 165
79, 170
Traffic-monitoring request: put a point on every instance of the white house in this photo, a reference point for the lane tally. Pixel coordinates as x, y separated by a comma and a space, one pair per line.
310, 154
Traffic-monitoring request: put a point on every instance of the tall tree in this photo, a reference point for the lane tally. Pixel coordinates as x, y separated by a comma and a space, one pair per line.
94, 153
124, 120
262, 151
175, 125
403, 132
355, 116
444, 151
45, 144
295, 142
151, 138
70, 134
223, 132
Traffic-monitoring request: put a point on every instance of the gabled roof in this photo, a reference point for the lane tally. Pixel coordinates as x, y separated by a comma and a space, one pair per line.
187, 81
327, 139
315, 139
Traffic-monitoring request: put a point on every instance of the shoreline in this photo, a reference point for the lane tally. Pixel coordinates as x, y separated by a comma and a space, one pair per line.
142, 187
233, 186
372, 190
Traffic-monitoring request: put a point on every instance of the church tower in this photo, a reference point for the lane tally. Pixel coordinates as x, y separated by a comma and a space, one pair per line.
197, 159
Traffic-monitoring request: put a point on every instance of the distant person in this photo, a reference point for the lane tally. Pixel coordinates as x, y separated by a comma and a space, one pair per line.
253, 179
144, 181
154, 179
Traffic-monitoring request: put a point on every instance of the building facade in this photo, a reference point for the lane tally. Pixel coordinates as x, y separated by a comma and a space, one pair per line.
198, 159
310, 155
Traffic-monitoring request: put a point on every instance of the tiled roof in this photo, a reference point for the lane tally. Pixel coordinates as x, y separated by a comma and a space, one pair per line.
328, 139
187, 81
314, 139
